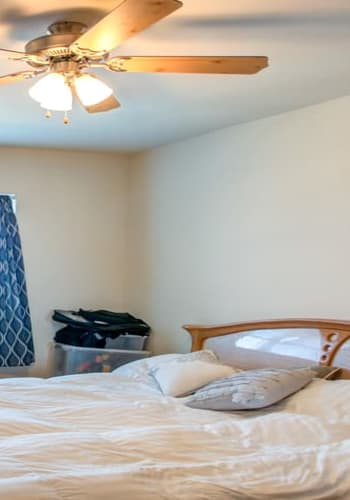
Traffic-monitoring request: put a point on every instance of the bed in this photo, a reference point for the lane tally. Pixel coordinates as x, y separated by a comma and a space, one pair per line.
116, 436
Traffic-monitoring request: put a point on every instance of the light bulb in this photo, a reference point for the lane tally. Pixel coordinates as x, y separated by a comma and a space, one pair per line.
91, 90
52, 92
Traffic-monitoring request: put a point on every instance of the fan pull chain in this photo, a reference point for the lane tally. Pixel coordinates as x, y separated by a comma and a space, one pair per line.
48, 114
65, 119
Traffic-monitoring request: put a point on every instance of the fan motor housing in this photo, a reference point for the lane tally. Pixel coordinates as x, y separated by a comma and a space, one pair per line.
58, 41
51, 45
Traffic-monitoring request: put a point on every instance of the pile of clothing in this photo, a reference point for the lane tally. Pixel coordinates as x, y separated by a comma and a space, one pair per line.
92, 328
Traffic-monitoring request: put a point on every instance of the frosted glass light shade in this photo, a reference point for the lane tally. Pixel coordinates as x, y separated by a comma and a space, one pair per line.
91, 90
52, 92
64, 103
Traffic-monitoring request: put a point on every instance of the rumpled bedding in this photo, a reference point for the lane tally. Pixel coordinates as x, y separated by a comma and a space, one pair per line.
107, 436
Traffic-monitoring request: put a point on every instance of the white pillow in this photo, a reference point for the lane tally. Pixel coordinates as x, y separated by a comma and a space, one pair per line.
140, 370
182, 376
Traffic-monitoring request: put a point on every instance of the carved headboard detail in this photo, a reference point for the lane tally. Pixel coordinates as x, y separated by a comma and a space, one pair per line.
293, 341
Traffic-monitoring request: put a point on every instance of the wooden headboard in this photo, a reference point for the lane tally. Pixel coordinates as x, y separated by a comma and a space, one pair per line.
278, 343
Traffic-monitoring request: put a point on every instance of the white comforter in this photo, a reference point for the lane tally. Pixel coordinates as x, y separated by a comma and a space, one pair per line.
107, 437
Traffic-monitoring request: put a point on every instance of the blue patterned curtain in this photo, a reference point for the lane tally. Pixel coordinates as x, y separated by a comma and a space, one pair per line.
16, 341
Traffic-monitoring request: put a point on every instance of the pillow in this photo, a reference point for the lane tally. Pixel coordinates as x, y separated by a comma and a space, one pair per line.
182, 376
326, 372
140, 369
251, 389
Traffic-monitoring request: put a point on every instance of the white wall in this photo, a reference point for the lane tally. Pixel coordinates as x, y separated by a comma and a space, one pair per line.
249, 222
71, 213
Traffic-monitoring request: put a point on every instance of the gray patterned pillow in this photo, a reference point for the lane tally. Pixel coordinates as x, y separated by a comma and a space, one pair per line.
251, 389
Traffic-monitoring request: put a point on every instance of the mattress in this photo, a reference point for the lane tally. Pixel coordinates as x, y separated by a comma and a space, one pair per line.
107, 436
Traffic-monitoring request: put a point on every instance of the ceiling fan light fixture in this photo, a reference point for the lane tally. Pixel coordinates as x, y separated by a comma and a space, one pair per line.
91, 90
52, 92
70, 48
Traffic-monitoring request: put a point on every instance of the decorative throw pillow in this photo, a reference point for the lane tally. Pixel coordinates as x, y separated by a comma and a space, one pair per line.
182, 376
251, 389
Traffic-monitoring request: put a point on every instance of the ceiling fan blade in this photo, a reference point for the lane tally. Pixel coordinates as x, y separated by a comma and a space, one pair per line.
106, 105
23, 56
231, 65
12, 53
127, 19
15, 77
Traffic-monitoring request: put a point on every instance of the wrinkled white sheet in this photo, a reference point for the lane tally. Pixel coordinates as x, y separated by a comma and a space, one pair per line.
107, 437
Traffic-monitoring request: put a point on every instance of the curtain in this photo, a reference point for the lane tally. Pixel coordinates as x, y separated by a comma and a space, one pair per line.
16, 341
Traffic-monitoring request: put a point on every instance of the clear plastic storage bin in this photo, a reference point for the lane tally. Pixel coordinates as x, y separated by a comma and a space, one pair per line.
127, 342
69, 359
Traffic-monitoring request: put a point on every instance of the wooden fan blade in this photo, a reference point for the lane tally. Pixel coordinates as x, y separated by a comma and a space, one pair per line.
15, 77
106, 105
218, 65
127, 19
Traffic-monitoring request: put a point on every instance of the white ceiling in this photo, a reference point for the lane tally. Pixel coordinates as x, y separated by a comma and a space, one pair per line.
307, 42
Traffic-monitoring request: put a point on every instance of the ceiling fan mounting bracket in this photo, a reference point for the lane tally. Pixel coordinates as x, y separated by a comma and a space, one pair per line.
88, 53
66, 27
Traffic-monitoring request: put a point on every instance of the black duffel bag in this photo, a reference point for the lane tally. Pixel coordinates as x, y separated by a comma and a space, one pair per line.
72, 335
105, 323
114, 324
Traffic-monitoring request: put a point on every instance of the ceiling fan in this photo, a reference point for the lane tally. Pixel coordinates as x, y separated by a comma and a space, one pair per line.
64, 56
